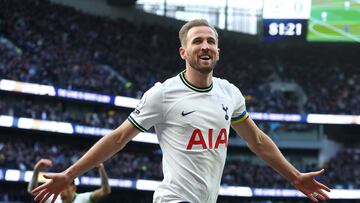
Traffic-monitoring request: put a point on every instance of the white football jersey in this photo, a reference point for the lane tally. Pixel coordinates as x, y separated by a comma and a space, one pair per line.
192, 125
79, 198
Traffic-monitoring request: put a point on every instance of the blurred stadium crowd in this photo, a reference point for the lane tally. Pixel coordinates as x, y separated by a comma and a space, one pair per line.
51, 44
104, 117
45, 43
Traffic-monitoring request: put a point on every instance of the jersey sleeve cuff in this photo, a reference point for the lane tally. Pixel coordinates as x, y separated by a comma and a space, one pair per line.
240, 118
138, 126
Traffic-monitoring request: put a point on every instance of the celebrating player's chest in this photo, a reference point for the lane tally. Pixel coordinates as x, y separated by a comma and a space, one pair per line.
202, 121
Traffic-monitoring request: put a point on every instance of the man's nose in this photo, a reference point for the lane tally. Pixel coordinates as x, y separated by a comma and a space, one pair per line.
205, 46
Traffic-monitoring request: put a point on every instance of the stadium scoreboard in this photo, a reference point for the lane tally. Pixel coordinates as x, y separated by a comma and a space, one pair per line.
311, 20
285, 19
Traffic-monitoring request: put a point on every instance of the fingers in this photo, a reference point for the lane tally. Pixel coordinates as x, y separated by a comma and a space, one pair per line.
55, 197
309, 183
315, 196
323, 194
49, 176
40, 196
322, 186
312, 197
320, 196
317, 173
47, 162
43, 162
43, 186
38, 189
46, 197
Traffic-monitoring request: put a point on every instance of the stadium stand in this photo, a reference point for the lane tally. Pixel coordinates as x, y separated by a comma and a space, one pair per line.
105, 57
36, 108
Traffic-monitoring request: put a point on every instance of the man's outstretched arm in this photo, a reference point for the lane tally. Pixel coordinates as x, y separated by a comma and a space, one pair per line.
39, 166
265, 148
105, 187
101, 151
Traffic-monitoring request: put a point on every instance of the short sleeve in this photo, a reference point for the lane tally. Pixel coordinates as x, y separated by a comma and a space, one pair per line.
240, 114
149, 110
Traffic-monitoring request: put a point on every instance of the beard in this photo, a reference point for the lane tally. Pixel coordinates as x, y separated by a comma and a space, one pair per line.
204, 69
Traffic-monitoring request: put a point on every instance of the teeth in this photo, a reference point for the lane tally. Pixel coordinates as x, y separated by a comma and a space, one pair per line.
205, 57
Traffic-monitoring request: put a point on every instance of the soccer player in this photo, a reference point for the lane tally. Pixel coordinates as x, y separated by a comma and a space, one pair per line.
69, 195
192, 114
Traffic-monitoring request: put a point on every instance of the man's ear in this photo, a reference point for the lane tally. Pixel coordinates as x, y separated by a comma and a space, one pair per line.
182, 53
218, 55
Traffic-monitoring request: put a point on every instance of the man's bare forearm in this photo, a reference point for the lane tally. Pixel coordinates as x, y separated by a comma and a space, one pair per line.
103, 149
34, 181
104, 180
270, 153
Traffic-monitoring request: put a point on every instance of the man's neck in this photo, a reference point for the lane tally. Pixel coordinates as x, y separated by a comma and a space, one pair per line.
197, 78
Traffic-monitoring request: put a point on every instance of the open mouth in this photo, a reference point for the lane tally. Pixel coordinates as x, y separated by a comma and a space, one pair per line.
205, 57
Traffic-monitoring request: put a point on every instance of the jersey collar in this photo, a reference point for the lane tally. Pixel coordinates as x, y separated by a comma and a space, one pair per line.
75, 194
192, 87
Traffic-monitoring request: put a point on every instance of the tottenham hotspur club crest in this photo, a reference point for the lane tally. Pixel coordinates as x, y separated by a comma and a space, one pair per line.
226, 113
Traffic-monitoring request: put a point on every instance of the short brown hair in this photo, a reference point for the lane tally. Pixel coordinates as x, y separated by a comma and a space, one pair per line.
193, 23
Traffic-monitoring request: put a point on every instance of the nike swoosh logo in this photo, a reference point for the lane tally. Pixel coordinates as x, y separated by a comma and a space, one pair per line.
187, 113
